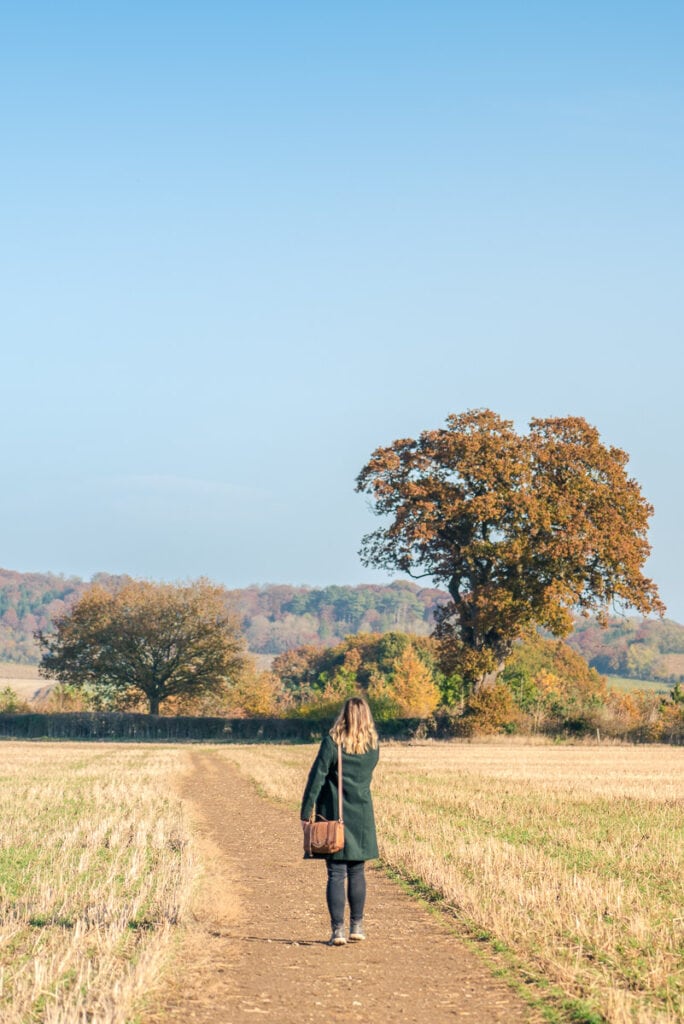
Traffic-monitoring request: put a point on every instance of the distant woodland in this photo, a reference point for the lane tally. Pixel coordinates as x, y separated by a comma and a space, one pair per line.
278, 618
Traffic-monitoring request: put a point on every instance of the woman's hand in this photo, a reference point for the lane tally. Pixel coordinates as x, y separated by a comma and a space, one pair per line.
304, 824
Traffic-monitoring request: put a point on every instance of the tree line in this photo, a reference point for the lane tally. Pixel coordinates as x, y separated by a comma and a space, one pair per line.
636, 648
545, 687
523, 531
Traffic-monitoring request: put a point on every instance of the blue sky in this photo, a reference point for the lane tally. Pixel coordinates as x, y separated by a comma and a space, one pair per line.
245, 243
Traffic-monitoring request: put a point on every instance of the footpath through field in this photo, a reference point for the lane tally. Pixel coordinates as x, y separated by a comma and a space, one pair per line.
258, 946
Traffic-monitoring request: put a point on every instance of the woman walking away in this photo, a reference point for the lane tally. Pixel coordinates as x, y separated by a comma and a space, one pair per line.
354, 730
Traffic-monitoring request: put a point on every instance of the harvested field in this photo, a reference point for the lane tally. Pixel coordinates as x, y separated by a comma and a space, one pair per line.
94, 871
572, 858
567, 861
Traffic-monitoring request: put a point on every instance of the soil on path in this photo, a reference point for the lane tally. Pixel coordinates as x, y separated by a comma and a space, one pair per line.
258, 946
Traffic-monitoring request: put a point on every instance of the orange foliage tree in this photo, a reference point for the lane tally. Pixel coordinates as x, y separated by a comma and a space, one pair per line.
520, 528
491, 710
256, 694
413, 687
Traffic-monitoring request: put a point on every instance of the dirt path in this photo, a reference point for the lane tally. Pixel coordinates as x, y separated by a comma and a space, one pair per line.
259, 942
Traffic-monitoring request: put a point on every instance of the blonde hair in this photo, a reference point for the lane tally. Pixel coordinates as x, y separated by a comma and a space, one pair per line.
354, 727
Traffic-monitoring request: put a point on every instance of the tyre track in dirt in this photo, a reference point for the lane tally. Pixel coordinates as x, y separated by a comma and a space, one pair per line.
257, 947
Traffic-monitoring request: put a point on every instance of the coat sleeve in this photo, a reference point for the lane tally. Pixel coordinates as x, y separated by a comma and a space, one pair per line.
327, 753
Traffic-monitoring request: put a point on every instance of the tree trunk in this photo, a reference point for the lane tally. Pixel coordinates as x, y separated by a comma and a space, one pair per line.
154, 705
489, 678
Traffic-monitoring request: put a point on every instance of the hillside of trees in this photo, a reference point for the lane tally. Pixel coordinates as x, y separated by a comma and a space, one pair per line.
636, 648
278, 618
31, 601
275, 618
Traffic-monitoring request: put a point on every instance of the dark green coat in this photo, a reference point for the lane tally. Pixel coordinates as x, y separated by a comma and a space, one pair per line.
360, 842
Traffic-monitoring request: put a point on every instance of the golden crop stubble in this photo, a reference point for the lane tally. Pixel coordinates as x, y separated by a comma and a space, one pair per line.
571, 856
94, 868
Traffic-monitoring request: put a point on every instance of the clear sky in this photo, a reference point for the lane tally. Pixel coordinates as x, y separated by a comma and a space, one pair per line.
244, 243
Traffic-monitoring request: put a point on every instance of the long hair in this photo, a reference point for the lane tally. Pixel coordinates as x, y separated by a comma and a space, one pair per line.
354, 727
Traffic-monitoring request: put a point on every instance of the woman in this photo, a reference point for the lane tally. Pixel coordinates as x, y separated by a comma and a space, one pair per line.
354, 729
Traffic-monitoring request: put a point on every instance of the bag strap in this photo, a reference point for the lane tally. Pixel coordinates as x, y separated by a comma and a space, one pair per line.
340, 801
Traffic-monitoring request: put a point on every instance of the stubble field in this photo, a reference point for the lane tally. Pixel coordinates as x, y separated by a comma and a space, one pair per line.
95, 869
569, 858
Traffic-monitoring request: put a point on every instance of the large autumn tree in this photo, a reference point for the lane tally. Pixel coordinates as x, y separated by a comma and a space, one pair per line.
146, 640
522, 529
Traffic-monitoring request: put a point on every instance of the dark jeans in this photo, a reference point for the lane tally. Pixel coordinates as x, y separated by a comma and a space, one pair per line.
353, 872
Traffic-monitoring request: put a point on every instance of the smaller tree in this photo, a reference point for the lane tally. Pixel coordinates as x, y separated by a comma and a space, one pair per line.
672, 717
491, 710
11, 703
257, 694
552, 683
146, 640
413, 686
381, 697
64, 697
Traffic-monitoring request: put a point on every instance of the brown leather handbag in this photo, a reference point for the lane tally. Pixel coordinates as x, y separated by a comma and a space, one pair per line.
325, 837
